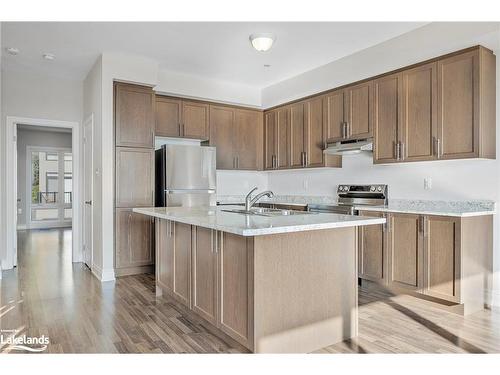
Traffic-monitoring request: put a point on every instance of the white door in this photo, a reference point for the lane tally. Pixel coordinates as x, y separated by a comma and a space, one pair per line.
50, 190
88, 128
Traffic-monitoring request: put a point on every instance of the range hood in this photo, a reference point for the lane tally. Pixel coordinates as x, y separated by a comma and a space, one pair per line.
349, 147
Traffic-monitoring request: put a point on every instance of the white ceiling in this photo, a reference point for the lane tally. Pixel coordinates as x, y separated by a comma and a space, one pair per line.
214, 50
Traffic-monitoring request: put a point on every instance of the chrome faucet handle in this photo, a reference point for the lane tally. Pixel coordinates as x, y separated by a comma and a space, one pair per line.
251, 191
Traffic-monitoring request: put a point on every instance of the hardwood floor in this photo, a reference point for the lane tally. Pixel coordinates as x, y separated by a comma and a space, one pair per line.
47, 294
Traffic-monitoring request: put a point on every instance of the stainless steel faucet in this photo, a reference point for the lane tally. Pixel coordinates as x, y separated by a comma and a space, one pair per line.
249, 201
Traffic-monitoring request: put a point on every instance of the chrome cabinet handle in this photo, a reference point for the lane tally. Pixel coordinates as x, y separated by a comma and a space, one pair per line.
237, 162
397, 150
438, 144
348, 129
305, 158
402, 150
86, 202
344, 130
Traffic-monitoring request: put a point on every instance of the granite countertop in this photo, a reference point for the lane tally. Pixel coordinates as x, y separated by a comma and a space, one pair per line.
254, 225
439, 208
421, 207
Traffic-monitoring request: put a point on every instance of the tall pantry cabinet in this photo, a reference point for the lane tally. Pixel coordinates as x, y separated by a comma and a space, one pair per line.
134, 178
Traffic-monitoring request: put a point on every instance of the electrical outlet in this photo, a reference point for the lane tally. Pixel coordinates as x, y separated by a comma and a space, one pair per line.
427, 183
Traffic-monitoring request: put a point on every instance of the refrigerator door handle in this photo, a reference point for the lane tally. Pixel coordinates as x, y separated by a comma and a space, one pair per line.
184, 191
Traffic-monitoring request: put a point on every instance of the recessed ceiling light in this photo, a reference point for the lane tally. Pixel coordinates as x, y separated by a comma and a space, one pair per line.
12, 51
48, 56
262, 42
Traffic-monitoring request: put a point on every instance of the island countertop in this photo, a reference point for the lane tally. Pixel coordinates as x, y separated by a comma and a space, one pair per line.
255, 225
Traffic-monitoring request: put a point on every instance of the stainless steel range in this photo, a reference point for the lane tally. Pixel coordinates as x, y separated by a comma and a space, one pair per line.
351, 196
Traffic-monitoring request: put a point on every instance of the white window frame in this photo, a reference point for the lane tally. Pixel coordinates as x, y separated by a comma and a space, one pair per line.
61, 222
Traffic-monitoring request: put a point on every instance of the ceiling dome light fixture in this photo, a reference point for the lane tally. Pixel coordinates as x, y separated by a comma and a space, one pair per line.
262, 42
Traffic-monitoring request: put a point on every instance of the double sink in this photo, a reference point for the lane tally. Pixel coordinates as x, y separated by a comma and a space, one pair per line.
267, 211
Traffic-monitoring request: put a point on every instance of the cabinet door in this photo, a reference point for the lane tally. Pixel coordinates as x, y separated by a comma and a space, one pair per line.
134, 116
297, 133
315, 140
334, 106
182, 263
270, 134
165, 254
134, 239
405, 252
372, 246
419, 122
458, 106
168, 117
248, 139
359, 110
222, 135
283, 137
386, 118
442, 257
134, 177
236, 287
195, 118
204, 291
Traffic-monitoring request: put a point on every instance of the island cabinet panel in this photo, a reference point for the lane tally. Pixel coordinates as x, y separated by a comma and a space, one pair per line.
298, 131
248, 139
405, 251
372, 250
195, 120
168, 117
305, 290
419, 106
182, 263
358, 115
236, 287
222, 136
270, 139
442, 257
387, 119
164, 258
134, 245
204, 270
134, 164
134, 116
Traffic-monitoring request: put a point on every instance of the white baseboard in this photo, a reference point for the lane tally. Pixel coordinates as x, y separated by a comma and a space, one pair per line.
494, 298
103, 275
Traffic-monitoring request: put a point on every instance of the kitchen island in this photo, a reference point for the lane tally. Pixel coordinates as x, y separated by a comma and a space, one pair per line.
274, 284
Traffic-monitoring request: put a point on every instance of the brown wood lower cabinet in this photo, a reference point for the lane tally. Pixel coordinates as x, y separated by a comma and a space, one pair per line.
405, 252
442, 257
209, 272
372, 250
134, 245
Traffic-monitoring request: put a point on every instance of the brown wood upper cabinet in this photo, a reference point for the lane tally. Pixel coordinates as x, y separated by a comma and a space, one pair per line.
134, 116
440, 110
238, 136
295, 136
181, 118
348, 113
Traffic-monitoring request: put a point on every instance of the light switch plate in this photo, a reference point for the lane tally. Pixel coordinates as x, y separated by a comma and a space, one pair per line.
427, 183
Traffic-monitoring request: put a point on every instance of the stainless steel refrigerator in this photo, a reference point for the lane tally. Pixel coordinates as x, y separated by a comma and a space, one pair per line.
185, 176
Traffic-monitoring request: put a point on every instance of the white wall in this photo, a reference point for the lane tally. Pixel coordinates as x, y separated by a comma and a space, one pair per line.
27, 138
189, 86
240, 182
451, 180
31, 94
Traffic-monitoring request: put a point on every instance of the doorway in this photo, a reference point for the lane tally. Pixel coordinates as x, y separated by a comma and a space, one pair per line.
53, 194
